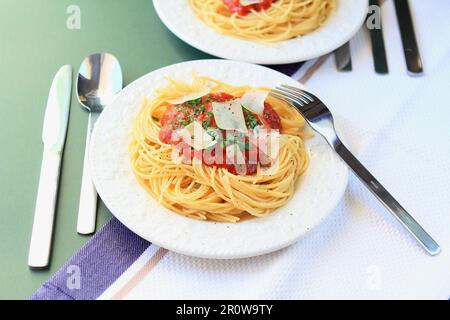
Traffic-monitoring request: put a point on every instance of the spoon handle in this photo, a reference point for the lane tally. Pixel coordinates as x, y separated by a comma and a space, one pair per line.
87, 211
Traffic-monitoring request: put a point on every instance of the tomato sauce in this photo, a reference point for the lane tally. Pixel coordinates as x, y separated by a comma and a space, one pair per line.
179, 116
236, 6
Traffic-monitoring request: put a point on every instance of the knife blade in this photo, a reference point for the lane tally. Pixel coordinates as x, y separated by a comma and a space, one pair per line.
410, 47
343, 58
378, 47
53, 137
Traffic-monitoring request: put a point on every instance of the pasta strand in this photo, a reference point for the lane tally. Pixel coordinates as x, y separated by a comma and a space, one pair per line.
205, 192
283, 20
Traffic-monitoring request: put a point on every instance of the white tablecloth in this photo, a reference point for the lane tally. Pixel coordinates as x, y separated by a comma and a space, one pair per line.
399, 127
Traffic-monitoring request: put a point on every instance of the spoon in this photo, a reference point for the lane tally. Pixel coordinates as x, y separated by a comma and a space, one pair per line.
99, 80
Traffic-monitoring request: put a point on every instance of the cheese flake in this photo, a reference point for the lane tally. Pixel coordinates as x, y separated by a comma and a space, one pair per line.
195, 136
229, 115
253, 100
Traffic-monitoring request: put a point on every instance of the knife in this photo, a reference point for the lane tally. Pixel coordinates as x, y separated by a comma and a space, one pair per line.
378, 47
53, 138
343, 58
410, 47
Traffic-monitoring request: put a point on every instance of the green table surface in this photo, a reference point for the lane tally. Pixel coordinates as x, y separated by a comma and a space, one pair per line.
35, 43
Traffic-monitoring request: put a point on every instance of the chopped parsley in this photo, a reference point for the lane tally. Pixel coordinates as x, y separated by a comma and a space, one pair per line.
207, 122
181, 108
224, 143
182, 122
193, 103
200, 110
214, 133
239, 141
250, 119
185, 122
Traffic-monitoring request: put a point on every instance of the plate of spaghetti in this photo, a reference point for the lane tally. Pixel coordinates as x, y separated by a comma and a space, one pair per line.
263, 31
198, 158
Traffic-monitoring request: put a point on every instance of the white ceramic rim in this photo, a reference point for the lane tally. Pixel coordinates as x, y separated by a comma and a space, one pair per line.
320, 190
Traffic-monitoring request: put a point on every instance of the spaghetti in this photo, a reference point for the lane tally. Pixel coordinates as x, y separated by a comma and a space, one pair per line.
270, 21
213, 192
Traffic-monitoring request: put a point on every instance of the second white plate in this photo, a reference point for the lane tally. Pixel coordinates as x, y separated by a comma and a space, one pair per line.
339, 28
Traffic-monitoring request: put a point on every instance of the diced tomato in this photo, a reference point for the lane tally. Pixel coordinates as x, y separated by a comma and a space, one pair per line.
176, 117
251, 168
220, 97
169, 116
270, 117
165, 135
236, 6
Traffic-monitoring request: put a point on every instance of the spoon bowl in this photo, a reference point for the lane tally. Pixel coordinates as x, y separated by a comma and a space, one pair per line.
99, 80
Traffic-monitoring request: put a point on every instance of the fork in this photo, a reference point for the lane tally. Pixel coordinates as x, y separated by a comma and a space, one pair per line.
320, 119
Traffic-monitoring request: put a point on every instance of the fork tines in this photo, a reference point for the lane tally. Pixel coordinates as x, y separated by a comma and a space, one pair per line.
311, 107
286, 93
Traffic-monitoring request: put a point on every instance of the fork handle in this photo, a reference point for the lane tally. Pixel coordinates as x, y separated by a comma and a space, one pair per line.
388, 200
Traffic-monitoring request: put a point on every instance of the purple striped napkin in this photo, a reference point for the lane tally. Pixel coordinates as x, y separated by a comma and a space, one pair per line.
101, 261
104, 258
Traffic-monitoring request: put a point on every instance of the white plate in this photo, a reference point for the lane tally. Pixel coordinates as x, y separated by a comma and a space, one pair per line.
318, 192
339, 28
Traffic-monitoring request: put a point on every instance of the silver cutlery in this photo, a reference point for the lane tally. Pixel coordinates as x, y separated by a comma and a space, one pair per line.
53, 138
410, 47
378, 47
320, 119
343, 58
99, 80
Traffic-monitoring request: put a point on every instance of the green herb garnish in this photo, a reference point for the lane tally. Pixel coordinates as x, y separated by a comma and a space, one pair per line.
206, 123
200, 110
193, 103
184, 122
250, 119
182, 109
224, 143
